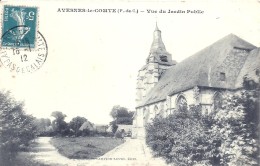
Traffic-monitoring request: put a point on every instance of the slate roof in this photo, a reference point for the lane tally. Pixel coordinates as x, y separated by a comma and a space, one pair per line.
227, 55
250, 67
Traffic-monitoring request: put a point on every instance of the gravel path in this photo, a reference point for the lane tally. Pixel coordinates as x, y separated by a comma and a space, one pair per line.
131, 153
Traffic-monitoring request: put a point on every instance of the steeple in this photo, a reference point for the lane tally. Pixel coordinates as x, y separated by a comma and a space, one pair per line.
157, 44
156, 27
158, 61
158, 52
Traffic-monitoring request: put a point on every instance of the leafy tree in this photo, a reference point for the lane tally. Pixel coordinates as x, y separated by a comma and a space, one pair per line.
43, 126
114, 126
59, 125
76, 123
16, 128
118, 111
121, 115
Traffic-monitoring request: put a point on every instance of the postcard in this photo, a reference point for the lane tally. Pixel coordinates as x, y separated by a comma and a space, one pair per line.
140, 83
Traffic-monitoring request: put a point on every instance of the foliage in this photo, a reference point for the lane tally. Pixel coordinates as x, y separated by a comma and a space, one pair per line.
16, 127
114, 126
236, 122
43, 127
118, 111
121, 115
58, 115
60, 127
76, 123
225, 136
181, 138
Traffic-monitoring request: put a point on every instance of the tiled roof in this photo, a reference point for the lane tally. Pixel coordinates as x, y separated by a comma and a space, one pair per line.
224, 58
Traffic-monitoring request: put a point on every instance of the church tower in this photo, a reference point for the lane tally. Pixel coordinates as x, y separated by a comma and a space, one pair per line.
157, 62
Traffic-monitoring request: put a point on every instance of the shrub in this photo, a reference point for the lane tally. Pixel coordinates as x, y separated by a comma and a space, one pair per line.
236, 125
225, 136
119, 134
16, 128
182, 138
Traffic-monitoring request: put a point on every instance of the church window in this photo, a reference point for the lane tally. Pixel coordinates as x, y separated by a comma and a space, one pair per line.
163, 58
217, 100
182, 103
222, 76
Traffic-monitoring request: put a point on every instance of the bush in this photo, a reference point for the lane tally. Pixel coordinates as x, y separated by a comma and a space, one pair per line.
226, 136
16, 128
119, 134
236, 124
182, 138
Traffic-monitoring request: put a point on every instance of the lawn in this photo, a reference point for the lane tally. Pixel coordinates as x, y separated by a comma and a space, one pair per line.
85, 147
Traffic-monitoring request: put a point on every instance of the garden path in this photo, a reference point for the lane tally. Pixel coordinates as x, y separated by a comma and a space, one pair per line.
133, 152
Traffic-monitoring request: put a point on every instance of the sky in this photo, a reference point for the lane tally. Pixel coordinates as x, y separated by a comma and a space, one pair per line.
94, 58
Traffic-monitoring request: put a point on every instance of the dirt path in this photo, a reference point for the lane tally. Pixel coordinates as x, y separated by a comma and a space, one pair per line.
132, 153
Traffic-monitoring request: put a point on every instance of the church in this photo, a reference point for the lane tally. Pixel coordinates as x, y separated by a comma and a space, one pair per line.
163, 85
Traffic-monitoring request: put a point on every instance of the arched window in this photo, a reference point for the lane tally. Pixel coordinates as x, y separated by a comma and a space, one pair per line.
217, 100
181, 103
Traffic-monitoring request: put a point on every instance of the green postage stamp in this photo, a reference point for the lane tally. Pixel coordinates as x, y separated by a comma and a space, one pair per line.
19, 26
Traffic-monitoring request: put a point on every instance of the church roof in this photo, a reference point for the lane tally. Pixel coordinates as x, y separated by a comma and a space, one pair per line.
250, 67
224, 58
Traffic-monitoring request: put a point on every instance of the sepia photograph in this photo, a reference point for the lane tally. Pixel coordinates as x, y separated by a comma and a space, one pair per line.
130, 83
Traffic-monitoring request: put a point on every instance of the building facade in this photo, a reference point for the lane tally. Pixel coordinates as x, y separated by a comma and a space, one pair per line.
163, 85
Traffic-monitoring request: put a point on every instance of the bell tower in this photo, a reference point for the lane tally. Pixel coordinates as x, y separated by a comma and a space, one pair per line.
157, 62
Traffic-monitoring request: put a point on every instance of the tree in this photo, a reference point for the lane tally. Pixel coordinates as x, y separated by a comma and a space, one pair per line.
76, 123
59, 125
114, 126
118, 111
16, 128
43, 126
121, 115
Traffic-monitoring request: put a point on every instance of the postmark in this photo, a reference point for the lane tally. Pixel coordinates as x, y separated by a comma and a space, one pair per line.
25, 60
19, 28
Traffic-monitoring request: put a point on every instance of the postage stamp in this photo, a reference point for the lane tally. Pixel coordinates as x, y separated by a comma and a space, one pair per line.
19, 27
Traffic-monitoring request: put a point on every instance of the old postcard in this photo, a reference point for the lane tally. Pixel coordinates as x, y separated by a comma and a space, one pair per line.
134, 83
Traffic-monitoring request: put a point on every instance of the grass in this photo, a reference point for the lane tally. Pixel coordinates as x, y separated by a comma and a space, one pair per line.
85, 147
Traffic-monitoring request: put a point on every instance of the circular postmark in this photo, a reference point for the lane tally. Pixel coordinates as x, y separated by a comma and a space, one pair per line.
21, 58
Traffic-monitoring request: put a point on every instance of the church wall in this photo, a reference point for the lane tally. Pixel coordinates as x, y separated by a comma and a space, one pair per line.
206, 100
151, 76
146, 113
138, 127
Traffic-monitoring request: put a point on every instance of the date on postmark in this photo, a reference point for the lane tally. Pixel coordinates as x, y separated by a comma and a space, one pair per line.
19, 29
25, 60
